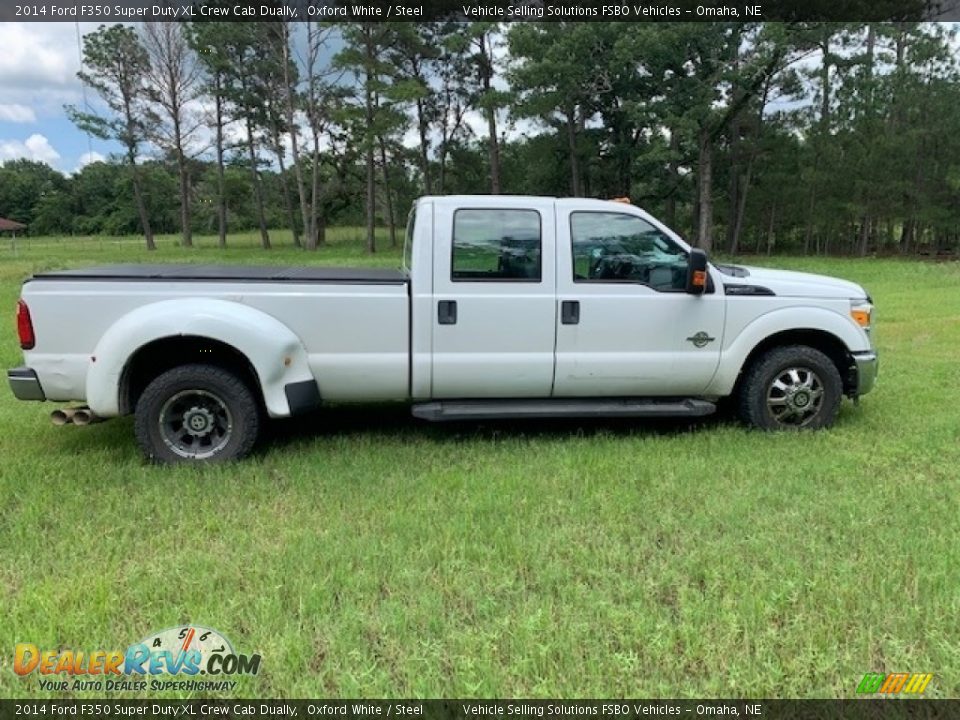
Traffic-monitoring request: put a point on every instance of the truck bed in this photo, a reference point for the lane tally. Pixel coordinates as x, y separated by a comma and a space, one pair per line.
231, 273
353, 323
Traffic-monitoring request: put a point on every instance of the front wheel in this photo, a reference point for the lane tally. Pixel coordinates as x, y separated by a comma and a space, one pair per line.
197, 413
791, 388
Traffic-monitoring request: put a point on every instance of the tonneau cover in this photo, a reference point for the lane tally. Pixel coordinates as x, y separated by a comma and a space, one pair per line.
214, 273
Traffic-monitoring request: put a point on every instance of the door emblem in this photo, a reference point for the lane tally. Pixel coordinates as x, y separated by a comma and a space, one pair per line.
700, 339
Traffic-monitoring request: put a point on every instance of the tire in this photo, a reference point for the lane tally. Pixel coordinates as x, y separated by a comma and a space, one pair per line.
791, 388
197, 414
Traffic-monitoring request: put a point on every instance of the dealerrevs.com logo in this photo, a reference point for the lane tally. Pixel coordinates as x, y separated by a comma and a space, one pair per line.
171, 659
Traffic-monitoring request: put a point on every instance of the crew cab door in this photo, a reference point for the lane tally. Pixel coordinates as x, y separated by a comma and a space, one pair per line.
625, 326
494, 305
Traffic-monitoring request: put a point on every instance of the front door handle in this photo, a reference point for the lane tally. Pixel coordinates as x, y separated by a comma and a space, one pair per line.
570, 312
447, 312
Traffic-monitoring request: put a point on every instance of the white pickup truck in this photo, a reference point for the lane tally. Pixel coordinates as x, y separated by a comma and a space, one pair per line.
505, 307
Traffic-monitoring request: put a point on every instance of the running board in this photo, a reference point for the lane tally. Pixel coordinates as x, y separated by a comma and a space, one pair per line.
441, 411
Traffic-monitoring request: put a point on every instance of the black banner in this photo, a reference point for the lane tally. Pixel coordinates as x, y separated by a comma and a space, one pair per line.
111, 11
479, 709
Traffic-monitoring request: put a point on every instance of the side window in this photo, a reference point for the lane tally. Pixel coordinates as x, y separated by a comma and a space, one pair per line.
615, 247
496, 245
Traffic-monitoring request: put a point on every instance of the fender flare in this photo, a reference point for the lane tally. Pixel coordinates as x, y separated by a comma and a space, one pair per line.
796, 318
275, 353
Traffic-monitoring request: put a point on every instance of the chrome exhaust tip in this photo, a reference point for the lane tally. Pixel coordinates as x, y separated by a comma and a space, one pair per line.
84, 416
62, 417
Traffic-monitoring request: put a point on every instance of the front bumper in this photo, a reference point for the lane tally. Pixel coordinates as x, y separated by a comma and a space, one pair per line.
25, 384
867, 367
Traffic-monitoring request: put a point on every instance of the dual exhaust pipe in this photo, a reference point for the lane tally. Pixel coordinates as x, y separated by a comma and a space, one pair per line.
74, 416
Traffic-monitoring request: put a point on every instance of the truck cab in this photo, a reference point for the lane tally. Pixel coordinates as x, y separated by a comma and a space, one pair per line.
538, 297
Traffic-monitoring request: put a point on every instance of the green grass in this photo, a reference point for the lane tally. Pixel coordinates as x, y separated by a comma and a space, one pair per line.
365, 554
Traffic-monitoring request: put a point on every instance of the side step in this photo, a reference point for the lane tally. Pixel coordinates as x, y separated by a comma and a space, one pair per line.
444, 410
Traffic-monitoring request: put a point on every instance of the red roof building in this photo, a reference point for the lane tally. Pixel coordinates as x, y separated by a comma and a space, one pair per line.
11, 226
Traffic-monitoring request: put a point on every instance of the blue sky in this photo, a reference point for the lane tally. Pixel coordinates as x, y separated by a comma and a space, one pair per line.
38, 69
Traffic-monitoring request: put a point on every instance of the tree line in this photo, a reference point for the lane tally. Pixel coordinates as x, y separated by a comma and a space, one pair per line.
745, 137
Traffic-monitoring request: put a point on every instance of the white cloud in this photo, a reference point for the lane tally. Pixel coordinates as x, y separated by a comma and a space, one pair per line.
37, 55
88, 158
14, 112
39, 64
35, 147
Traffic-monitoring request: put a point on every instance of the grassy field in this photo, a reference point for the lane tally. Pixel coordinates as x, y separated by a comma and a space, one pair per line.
365, 554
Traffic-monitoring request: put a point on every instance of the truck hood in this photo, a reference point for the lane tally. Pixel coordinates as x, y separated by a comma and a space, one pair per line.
789, 283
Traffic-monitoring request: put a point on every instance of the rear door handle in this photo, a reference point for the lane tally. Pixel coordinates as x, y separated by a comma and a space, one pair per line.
570, 312
447, 312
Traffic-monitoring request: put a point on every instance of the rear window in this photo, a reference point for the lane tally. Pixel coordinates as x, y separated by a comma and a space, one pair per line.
493, 244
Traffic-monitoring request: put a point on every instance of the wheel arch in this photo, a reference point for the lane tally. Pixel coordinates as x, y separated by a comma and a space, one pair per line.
827, 343
225, 333
166, 353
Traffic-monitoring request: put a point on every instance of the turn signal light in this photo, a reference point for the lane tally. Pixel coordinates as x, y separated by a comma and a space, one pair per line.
699, 278
861, 317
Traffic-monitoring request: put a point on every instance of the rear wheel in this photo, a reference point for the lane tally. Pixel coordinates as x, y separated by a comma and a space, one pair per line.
791, 388
197, 413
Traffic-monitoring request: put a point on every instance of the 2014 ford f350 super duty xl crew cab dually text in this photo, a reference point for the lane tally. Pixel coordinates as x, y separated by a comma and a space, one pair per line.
505, 307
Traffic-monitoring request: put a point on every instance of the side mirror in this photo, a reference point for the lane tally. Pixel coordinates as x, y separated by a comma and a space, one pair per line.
696, 272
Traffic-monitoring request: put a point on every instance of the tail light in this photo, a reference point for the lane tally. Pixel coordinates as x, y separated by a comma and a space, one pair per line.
25, 326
